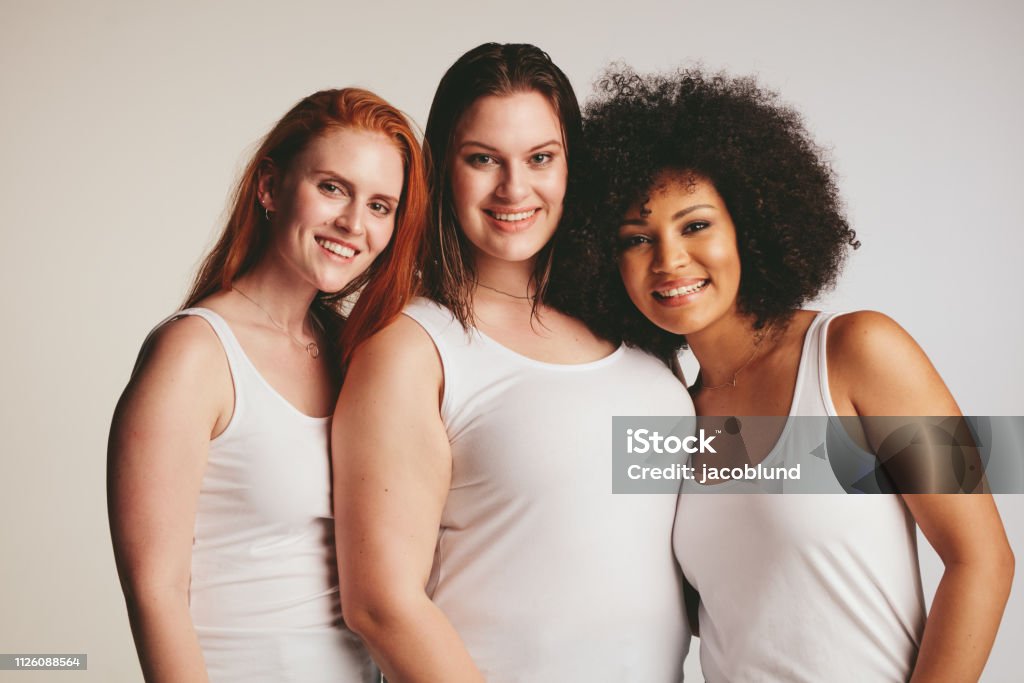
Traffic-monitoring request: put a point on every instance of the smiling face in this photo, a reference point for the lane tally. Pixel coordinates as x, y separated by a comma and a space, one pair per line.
678, 257
333, 208
508, 175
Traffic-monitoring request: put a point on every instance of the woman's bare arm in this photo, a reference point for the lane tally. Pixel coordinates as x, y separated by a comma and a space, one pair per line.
159, 439
876, 369
392, 472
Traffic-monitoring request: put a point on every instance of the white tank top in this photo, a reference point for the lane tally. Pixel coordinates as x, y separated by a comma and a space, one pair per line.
264, 588
802, 587
545, 574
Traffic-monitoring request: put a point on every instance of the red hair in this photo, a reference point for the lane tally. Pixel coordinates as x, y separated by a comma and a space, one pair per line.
390, 281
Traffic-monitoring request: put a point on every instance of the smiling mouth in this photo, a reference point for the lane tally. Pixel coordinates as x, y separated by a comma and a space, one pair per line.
680, 291
506, 217
337, 248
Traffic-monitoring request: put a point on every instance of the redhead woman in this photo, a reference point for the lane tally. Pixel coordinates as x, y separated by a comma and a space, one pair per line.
722, 219
219, 470
477, 533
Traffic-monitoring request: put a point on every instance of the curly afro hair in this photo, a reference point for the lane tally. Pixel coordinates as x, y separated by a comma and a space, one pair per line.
791, 233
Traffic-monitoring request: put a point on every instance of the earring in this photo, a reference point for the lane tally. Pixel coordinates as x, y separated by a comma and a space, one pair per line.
266, 212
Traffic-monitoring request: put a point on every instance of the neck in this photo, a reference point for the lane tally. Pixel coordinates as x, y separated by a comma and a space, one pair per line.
281, 295
514, 279
723, 347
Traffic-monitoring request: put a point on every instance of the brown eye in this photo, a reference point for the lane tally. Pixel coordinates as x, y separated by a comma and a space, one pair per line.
380, 209
633, 241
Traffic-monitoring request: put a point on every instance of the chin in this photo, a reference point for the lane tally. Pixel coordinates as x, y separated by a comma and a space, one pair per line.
673, 326
676, 324
514, 253
521, 246
333, 285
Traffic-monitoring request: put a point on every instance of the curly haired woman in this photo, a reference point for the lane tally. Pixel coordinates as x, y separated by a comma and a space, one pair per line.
714, 218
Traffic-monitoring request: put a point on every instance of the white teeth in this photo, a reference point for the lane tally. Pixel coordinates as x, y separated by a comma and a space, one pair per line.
335, 248
512, 217
682, 291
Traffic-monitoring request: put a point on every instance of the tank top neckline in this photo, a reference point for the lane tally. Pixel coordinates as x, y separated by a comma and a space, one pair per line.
252, 366
820, 317
557, 367
524, 359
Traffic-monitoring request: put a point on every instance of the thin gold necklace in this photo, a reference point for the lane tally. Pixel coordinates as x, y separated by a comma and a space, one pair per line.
758, 338
311, 348
528, 297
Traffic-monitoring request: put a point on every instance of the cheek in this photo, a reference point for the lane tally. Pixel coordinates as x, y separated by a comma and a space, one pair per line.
724, 258
467, 188
305, 207
552, 188
632, 271
381, 235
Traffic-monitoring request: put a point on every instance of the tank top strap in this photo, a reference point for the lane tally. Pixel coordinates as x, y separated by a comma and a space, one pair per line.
450, 338
435, 319
453, 345
238, 363
816, 397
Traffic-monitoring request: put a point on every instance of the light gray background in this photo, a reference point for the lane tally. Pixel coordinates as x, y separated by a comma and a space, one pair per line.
124, 124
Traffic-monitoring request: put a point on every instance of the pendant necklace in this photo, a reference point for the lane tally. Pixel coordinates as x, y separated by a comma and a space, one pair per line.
311, 348
758, 338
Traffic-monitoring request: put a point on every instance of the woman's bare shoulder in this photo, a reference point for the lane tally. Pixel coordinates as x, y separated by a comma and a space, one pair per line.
876, 367
185, 343
403, 347
862, 339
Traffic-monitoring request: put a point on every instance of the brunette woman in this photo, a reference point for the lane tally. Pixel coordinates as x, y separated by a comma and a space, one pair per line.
477, 533
219, 471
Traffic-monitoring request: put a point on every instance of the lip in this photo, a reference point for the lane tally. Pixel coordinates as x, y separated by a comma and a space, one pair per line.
512, 226
681, 300
342, 243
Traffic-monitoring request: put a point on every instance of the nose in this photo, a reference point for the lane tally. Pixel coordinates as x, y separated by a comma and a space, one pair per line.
350, 219
670, 255
513, 186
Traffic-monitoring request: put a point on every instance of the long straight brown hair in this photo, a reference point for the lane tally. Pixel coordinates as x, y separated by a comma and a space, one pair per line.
488, 69
390, 281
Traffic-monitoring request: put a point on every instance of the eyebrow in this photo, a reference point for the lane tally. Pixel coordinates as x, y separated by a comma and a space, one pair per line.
476, 143
345, 181
676, 216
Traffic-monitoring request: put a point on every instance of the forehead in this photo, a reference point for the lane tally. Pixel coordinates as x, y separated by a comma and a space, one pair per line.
357, 154
510, 121
670, 182
672, 190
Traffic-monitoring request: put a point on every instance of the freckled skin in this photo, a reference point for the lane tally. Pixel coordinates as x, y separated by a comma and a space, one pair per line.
338, 188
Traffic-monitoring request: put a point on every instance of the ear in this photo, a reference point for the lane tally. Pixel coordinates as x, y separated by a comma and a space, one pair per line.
267, 180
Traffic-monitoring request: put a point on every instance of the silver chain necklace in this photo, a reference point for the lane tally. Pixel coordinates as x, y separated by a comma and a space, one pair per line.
311, 348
